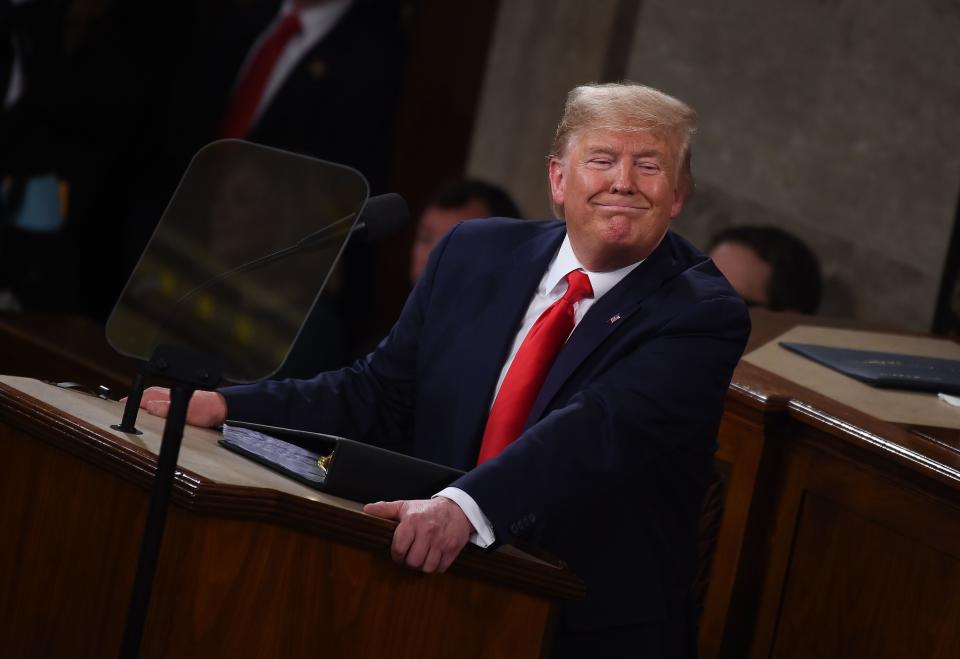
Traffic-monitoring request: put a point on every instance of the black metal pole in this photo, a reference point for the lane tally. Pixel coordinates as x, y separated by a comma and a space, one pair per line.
156, 516
128, 422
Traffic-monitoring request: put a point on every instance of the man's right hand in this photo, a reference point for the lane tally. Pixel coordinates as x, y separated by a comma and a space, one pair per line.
207, 409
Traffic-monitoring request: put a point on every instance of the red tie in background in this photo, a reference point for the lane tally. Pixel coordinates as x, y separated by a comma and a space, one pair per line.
246, 97
530, 367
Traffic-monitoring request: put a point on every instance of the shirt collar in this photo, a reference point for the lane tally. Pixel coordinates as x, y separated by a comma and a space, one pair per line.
318, 17
566, 260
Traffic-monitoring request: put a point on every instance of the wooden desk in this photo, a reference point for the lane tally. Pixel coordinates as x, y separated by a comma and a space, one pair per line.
840, 538
252, 564
61, 348
841, 533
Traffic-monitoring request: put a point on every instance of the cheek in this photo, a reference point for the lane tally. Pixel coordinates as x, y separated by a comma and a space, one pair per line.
663, 191
418, 261
420, 252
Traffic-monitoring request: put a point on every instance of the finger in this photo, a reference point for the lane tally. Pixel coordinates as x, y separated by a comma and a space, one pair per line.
157, 407
418, 551
447, 560
152, 394
434, 559
384, 509
403, 538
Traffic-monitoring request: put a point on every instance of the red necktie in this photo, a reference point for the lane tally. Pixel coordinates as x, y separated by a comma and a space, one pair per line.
530, 367
246, 97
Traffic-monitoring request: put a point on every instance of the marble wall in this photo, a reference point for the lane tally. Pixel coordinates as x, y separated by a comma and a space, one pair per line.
834, 119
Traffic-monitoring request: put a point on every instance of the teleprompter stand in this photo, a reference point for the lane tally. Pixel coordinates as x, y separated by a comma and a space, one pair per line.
184, 371
233, 268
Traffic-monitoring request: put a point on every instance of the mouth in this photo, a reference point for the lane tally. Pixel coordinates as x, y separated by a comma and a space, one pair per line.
620, 207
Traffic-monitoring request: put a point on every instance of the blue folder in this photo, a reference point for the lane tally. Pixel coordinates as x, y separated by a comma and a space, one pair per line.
339, 466
886, 369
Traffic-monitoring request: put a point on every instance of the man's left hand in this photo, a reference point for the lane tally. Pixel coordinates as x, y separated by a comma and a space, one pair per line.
431, 533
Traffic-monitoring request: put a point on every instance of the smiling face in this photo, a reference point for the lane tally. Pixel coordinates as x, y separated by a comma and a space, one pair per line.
618, 191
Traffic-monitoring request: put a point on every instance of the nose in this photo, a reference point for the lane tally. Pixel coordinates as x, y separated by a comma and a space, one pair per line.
623, 178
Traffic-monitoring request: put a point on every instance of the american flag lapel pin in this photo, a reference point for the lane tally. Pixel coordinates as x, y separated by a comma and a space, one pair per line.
613, 319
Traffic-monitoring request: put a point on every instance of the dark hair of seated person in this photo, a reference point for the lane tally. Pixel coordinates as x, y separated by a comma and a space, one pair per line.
795, 283
457, 193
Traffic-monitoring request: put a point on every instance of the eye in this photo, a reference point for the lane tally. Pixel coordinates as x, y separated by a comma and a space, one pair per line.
600, 161
648, 167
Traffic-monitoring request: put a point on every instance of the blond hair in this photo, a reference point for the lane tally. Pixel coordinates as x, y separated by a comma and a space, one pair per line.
626, 107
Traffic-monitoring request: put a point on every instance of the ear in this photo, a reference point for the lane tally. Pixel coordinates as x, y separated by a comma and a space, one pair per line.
555, 173
683, 186
678, 199
676, 207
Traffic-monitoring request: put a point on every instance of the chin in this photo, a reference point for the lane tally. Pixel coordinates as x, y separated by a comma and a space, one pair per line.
619, 230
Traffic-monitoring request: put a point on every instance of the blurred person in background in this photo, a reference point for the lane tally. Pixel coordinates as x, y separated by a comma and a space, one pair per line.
769, 267
454, 202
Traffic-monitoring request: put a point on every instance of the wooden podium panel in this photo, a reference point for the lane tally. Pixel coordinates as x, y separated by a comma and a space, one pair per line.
841, 533
252, 564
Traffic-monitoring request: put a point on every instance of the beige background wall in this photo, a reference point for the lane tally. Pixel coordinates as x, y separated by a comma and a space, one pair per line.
838, 121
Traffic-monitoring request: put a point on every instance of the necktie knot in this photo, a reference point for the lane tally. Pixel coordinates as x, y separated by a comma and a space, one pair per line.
578, 287
248, 94
289, 26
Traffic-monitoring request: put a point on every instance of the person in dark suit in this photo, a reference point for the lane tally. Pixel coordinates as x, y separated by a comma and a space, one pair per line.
601, 452
331, 92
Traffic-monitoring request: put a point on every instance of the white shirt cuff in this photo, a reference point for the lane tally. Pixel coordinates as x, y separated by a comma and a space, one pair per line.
483, 530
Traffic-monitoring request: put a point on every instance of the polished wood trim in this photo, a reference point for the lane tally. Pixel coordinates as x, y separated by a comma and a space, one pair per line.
803, 465
201, 495
225, 586
745, 453
850, 537
761, 389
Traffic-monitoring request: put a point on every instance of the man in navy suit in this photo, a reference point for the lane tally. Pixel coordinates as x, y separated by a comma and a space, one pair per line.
608, 464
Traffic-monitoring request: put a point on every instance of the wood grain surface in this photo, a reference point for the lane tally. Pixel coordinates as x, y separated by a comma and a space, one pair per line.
247, 567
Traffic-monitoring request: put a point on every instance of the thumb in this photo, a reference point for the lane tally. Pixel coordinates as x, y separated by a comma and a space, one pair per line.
384, 509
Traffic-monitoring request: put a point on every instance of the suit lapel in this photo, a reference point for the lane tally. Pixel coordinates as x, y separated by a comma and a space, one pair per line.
608, 315
488, 340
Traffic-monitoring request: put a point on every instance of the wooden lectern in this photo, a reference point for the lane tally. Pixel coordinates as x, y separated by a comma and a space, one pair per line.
252, 564
841, 531
840, 537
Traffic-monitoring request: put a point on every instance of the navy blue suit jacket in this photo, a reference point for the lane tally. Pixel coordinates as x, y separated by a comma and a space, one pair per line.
611, 470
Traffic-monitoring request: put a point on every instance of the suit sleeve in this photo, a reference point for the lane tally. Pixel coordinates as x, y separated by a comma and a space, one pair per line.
662, 399
371, 401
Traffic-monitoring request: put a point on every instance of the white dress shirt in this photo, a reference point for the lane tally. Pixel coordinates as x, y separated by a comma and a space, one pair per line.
317, 21
552, 287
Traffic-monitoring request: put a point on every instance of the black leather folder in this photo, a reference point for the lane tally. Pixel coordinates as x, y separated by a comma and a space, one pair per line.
336, 465
886, 369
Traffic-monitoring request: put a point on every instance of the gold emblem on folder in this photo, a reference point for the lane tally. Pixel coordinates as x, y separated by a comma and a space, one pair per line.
323, 462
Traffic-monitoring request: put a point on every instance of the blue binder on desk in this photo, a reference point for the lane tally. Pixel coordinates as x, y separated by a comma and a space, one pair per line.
886, 369
336, 465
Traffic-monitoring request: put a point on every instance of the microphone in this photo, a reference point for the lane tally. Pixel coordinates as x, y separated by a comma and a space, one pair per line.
383, 215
